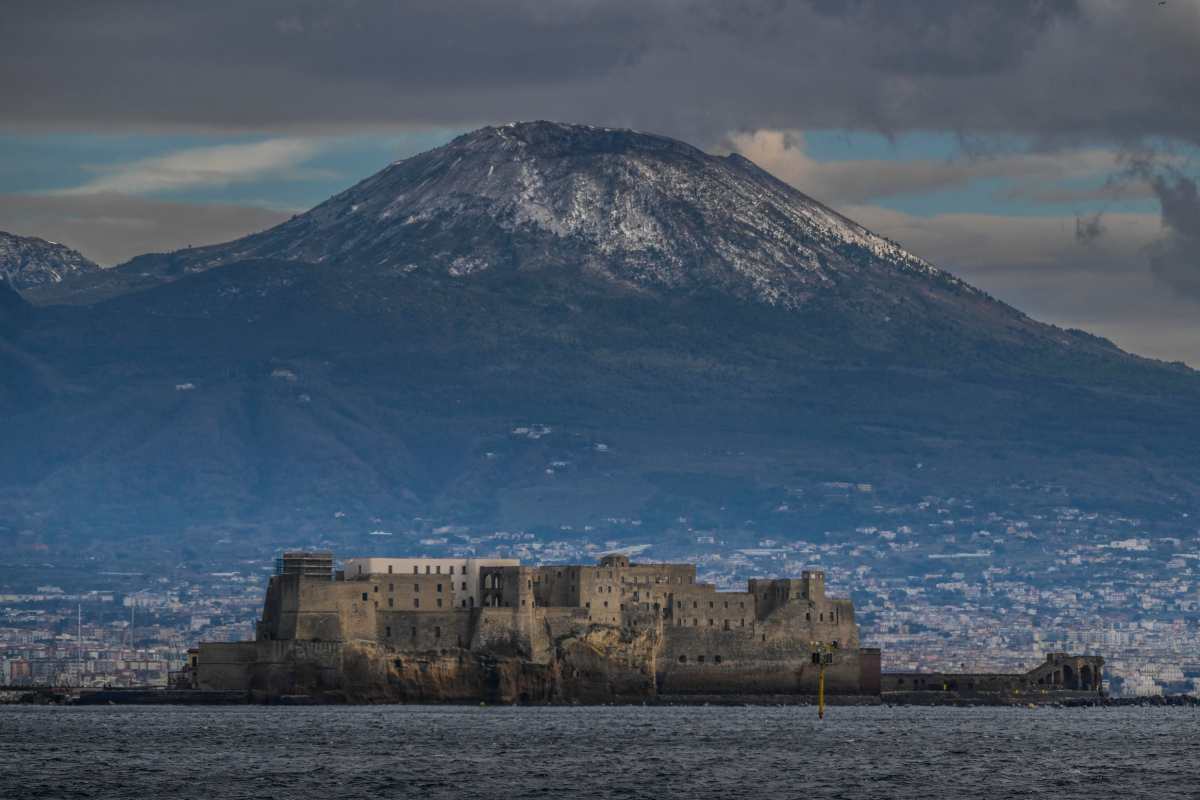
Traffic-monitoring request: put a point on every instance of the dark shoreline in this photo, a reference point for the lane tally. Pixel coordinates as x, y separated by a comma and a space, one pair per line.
198, 697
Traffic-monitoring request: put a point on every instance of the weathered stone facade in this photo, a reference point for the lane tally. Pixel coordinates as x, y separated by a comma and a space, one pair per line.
502, 632
1061, 676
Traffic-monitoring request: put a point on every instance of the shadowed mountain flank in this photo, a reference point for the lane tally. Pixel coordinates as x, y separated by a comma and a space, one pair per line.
546, 325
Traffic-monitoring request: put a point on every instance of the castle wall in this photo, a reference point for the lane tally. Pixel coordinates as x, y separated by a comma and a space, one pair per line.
422, 593
299, 607
273, 667
463, 573
622, 631
776, 655
701, 607
562, 586
433, 631
226, 665
1060, 672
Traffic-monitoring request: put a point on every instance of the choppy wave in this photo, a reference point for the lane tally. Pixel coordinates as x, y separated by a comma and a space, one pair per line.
500, 752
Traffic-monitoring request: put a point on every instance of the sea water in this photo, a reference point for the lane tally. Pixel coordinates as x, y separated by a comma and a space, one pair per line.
368, 753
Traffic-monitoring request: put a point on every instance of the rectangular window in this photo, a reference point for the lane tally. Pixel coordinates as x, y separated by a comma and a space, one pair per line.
464, 586
389, 573
364, 596
416, 587
414, 569
391, 587
388, 631
391, 602
439, 587
451, 569
426, 569
439, 569
439, 602
416, 602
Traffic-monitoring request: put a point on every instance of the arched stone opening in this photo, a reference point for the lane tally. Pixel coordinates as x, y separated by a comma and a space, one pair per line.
1086, 680
1070, 679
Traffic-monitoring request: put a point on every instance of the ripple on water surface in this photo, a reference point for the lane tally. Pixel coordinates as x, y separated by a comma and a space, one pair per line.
493, 752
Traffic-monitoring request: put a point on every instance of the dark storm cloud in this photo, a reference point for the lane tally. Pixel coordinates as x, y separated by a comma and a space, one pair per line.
1089, 228
1175, 259
1052, 70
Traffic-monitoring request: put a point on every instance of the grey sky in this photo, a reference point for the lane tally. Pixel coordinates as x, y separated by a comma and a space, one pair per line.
1081, 84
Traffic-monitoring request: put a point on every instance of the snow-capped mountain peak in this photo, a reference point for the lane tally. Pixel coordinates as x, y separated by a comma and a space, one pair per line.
26, 261
640, 210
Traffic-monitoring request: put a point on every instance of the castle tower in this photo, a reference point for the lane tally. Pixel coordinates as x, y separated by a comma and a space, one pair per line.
813, 582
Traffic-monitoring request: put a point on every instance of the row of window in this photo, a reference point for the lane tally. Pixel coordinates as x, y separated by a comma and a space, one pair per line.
435, 570
711, 622
700, 659
437, 634
416, 588
711, 604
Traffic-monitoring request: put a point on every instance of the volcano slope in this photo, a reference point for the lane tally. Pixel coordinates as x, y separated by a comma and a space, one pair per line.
548, 325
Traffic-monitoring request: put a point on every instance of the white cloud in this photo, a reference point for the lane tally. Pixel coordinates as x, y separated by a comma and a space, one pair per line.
111, 228
1038, 265
783, 153
201, 167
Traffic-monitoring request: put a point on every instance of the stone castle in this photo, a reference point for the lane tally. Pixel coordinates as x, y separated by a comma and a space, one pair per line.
469, 630
493, 630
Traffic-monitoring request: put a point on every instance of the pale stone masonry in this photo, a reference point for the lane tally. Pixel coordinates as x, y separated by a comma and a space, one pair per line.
476, 629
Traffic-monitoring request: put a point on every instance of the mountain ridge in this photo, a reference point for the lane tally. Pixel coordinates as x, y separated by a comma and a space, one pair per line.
28, 262
627, 177
656, 336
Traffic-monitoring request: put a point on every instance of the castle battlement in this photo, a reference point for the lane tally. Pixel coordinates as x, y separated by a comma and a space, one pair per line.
654, 625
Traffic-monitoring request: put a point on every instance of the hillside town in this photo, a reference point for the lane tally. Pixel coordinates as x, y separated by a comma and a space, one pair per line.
933, 583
